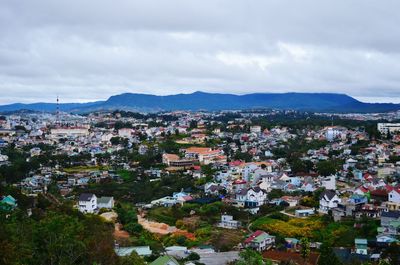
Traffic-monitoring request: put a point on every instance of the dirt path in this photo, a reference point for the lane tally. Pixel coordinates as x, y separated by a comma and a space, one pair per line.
163, 229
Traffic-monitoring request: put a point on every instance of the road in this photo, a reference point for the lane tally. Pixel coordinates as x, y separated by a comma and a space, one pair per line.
220, 258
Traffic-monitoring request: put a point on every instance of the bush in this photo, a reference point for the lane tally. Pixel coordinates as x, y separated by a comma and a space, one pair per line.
193, 256
279, 216
133, 228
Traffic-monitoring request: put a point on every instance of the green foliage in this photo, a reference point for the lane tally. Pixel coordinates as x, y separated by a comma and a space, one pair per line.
327, 256
116, 140
126, 214
392, 253
193, 256
59, 236
133, 259
275, 193
304, 248
133, 228
249, 256
326, 168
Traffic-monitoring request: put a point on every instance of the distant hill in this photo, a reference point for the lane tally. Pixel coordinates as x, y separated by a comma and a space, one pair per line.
317, 102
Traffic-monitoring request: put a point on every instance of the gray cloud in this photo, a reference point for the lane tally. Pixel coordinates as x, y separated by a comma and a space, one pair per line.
89, 50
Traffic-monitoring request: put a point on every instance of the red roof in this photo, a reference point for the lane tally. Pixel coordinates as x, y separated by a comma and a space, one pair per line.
379, 192
397, 189
390, 188
368, 176
239, 181
363, 189
252, 236
235, 163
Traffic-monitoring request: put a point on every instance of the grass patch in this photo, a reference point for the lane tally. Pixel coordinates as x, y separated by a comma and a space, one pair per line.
293, 228
78, 169
126, 175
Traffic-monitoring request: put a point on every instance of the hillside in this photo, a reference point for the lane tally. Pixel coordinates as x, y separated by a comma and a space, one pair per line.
317, 102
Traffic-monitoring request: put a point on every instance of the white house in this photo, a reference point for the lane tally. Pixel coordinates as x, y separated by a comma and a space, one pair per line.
260, 241
252, 198
255, 129
125, 132
329, 183
228, 222
87, 203
394, 195
328, 200
105, 202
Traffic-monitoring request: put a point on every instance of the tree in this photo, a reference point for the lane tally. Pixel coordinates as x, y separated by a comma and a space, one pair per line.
326, 168
327, 256
392, 253
304, 249
250, 257
193, 256
133, 228
132, 259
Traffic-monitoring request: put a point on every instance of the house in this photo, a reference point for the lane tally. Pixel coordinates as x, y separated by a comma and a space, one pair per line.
125, 132
251, 198
361, 246
387, 217
291, 243
290, 200
87, 203
105, 202
213, 188
173, 160
8, 203
394, 196
327, 201
361, 190
304, 212
385, 239
228, 222
205, 155
126, 251
165, 260
393, 228
167, 201
260, 241
329, 182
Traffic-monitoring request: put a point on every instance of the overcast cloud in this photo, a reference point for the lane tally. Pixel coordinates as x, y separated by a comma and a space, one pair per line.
92, 49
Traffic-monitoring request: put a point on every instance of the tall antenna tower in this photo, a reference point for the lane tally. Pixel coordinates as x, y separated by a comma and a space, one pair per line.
58, 112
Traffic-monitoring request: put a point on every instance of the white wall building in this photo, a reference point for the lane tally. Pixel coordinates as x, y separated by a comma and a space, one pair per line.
87, 203
328, 200
394, 196
228, 222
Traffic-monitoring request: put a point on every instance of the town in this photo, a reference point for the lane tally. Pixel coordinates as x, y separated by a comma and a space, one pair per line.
226, 187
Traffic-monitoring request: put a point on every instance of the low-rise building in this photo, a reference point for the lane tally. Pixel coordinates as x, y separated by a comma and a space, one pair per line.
228, 222
260, 241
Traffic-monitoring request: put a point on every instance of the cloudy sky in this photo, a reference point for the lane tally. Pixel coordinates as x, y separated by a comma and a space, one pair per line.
92, 49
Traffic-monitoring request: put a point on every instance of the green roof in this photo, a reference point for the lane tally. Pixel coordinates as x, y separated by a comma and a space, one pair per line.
126, 251
292, 240
361, 241
9, 200
262, 237
104, 199
165, 260
395, 224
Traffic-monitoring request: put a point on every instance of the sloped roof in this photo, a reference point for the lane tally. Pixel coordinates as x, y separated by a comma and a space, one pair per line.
104, 199
329, 194
391, 214
85, 196
165, 260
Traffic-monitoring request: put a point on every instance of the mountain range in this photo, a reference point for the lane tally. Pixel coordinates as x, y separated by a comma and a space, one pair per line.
316, 102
